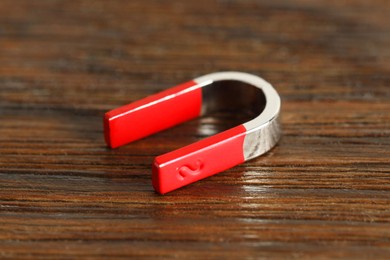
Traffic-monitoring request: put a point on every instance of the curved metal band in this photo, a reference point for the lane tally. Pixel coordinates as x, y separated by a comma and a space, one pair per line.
262, 132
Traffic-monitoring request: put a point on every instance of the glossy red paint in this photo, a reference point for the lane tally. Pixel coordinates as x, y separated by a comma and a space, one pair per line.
166, 109
152, 114
198, 160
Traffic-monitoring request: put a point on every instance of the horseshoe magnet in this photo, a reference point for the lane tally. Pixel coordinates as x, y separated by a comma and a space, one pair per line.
213, 92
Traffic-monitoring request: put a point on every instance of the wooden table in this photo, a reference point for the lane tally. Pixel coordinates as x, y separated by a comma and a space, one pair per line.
324, 191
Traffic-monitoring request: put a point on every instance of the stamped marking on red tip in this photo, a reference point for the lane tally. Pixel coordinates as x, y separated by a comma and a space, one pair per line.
190, 170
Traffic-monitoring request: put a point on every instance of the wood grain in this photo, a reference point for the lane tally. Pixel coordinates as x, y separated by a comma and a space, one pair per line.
323, 192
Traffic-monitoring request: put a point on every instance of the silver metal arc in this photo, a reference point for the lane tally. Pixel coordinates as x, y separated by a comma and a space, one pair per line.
262, 132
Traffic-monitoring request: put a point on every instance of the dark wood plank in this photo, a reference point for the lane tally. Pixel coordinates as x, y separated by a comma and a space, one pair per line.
324, 191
